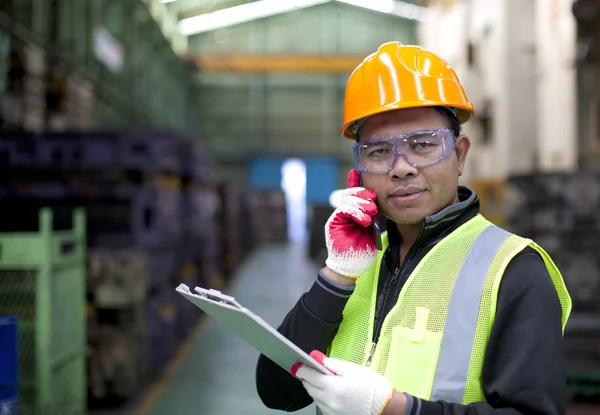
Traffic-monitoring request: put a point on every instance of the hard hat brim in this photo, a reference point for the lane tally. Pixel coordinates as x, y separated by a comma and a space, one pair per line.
463, 114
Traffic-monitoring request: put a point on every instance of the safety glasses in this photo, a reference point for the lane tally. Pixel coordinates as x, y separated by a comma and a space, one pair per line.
419, 149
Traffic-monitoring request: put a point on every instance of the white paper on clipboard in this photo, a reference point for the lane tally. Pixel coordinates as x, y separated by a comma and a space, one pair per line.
250, 327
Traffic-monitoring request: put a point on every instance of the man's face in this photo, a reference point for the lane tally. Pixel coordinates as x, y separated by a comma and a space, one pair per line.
431, 188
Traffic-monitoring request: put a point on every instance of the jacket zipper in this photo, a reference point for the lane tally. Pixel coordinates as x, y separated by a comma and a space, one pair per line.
398, 271
384, 304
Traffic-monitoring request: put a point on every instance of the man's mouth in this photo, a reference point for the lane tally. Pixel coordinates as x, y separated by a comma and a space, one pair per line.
406, 194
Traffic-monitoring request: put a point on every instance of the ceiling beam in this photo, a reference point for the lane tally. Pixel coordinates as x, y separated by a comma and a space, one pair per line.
240, 63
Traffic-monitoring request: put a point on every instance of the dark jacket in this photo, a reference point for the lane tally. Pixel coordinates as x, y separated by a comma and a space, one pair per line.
524, 369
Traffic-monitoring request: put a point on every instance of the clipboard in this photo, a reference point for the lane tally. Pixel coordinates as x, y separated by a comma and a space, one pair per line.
250, 327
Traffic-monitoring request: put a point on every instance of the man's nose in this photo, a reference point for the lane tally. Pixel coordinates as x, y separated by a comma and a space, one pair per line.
402, 168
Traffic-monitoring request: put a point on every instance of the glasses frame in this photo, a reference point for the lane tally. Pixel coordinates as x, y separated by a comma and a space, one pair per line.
448, 145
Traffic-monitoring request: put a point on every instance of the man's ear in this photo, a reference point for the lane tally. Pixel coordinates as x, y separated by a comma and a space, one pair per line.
463, 144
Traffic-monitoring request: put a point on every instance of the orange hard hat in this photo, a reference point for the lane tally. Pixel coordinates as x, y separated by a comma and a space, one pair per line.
401, 76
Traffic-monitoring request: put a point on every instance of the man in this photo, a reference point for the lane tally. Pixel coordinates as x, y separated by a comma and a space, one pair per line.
454, 315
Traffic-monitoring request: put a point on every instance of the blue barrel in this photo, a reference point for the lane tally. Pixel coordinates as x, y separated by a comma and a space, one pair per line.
9, 365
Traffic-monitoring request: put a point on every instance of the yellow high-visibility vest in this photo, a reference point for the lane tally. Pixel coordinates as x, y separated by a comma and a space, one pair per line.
433, 341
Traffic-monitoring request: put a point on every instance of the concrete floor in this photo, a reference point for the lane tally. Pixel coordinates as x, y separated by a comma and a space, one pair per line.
216, 376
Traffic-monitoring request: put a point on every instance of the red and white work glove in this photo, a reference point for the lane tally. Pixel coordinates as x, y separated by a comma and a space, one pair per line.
353, 390
349, 238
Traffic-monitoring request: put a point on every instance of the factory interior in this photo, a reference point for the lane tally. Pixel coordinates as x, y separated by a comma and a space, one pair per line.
146, 144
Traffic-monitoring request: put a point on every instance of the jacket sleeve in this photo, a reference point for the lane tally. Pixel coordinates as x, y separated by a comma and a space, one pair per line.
311, 325
524, 365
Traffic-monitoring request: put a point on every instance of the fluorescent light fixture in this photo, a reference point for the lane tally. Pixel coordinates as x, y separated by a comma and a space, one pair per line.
167, 1
383, 6
240, 14
265, 8
398, 8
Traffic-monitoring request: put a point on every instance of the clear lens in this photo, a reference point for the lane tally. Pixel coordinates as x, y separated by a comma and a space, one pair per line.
419, 149
377, 155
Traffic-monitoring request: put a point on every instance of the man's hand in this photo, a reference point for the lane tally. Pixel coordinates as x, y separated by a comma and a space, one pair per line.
350, 241
353, 390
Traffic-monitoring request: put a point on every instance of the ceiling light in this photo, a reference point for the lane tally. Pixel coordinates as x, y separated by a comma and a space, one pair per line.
240, 14
398, 8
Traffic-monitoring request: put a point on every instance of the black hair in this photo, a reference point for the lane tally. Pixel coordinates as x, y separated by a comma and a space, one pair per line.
451, 120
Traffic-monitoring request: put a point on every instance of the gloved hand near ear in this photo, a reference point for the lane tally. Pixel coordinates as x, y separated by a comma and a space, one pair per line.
353, 390
350, 241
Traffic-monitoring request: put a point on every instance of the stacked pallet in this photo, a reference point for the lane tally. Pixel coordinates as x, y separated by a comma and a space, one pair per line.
231, 227
561, 212
23, 102
269, 218
151, 224
70, 102
116, 322
37, 97
199, 247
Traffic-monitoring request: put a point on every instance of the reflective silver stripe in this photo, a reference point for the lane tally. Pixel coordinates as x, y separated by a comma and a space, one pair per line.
461, 321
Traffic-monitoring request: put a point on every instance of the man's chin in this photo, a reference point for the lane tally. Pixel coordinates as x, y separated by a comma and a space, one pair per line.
407, 220
407, 217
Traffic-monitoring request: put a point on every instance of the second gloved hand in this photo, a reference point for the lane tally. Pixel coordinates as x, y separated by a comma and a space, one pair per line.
349, 238
353, 390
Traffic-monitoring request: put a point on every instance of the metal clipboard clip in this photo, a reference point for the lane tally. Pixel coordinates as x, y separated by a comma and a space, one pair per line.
213, 295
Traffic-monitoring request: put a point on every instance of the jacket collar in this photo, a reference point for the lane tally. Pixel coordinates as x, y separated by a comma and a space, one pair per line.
443, 222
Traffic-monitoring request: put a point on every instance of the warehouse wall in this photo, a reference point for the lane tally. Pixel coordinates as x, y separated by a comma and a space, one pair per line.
516, 59
556, 40
289, 115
